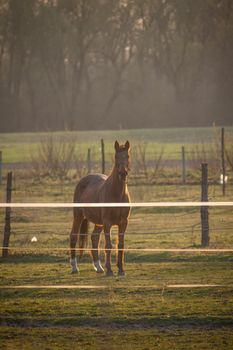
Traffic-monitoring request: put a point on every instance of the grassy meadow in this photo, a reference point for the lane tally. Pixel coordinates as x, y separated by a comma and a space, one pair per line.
19, 147
158, 305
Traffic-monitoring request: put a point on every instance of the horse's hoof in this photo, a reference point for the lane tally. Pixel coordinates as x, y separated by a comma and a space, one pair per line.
74, 266
97, 266
121, 273
109, 273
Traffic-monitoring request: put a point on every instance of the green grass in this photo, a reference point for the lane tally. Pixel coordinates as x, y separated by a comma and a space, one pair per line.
129, 312
121, 315
98, 338
153, 135
18, 147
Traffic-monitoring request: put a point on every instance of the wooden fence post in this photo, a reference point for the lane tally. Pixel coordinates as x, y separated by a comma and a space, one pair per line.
7, 228
183, 166
204, 209
0, 167
223, 162
103, 156
89, 161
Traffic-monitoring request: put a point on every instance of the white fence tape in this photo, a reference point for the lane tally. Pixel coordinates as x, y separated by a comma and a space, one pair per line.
106, 205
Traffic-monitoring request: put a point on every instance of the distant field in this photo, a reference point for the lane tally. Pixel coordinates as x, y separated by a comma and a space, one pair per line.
18, 147
173, 135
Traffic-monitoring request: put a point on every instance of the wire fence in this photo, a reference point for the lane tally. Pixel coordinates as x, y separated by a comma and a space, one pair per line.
181, 229
194, 228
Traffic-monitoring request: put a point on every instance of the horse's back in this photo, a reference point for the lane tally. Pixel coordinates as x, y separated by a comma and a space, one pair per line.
87, 189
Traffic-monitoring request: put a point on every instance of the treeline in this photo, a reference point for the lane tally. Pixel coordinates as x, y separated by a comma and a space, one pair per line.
102, 64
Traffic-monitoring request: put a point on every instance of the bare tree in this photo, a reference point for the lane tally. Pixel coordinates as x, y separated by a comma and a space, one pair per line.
118, 46
54, 157
82, 64
149, 165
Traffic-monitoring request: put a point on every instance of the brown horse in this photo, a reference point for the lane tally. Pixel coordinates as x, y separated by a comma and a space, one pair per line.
99, 188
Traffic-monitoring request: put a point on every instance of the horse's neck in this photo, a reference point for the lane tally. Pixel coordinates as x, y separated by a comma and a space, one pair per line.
118, 188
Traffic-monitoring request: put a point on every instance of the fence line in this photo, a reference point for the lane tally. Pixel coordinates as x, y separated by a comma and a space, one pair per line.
107, 205
202, 204
136, 233
122, 286
155, 250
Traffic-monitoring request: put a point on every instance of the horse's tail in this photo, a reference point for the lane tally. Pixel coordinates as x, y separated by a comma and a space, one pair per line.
83, 237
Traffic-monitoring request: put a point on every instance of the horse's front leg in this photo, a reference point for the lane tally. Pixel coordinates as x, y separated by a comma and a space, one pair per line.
108, 249
95, 238
120, 251
73, 240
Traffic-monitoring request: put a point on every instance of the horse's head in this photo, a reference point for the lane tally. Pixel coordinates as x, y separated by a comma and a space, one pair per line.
122, 159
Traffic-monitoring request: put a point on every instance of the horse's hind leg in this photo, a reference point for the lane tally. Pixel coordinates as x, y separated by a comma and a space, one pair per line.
108, 249
78, 218
120, 252
95, 238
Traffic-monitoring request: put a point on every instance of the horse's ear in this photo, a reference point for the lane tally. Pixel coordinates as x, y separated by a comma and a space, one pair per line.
127, 145
117, 146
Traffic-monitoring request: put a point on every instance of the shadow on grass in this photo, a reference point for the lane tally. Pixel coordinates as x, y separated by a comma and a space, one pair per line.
39, 258
131, 257
145, 322
177, 257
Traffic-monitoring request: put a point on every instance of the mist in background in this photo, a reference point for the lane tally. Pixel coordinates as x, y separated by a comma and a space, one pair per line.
112, 64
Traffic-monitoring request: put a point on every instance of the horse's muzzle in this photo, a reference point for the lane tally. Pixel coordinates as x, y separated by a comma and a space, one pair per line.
123, 175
